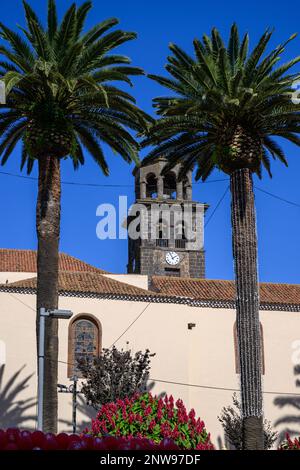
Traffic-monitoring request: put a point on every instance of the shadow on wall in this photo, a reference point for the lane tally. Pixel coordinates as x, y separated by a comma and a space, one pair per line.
14, 412
290, 421
90, 412
223, 443
84, 409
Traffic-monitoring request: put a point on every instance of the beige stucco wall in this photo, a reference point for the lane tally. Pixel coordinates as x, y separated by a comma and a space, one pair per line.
6, 277
202, 356
138, 280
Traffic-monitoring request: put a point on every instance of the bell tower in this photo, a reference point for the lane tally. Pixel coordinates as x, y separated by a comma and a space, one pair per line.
170, 224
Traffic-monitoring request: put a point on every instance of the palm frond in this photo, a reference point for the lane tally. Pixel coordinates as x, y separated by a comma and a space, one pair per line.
220, 96
94, 34
67, 30
92, 145
59, 80
81, 15
52, 20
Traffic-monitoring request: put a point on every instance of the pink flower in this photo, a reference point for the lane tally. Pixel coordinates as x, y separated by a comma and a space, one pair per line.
151, 425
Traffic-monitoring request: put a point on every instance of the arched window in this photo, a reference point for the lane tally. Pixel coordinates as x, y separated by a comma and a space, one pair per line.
151, 186
85, 335
163, 232
170, 186
236, 350
180, 234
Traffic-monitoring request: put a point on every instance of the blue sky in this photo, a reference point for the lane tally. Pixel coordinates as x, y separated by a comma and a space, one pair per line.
157, 24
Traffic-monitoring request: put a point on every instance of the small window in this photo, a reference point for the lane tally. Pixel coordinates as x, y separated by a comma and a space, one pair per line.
180, 237
236, 350
172, 272
151, 186
163, 232
84, 341
170, 186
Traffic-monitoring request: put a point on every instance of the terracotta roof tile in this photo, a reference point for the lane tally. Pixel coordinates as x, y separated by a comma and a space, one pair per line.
87, 282
209, 290
183, 290
25, 261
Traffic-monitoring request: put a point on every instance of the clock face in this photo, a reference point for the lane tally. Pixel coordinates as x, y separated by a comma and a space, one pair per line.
172, 258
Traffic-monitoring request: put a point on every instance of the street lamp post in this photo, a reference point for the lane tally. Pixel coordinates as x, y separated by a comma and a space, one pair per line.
44, 313
71, 389
74, 402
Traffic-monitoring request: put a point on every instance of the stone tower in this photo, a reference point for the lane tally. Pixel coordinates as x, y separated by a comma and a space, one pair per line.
166, 246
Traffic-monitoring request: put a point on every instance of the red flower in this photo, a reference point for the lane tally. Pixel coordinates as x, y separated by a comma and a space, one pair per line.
148, 413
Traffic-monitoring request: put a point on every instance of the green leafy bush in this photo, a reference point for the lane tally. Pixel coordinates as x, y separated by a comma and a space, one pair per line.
290, 444
145, 416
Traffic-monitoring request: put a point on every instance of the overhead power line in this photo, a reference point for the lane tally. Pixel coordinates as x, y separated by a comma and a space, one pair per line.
208, 387
97, 185
211, 387
217, 207
132, 323
277, 197
92, 185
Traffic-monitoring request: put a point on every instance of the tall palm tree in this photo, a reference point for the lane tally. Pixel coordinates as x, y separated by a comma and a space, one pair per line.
61, 100
227, 105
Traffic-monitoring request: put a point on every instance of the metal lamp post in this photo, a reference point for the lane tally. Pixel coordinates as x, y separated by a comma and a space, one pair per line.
63, 314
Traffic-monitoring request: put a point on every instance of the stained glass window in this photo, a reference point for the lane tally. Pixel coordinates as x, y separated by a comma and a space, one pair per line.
84, 342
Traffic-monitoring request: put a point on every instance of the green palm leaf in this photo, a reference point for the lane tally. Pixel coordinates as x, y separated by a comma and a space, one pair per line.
52, 20
59, 84
227, 104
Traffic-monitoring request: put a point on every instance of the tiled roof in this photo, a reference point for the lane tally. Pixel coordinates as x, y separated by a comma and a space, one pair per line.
221, 290
25, 261
193, 292
87, 283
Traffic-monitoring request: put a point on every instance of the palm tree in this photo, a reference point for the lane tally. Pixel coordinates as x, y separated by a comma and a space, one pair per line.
61, 100
227, 105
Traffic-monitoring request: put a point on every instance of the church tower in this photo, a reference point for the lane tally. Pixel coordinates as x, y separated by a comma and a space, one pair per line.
167, 247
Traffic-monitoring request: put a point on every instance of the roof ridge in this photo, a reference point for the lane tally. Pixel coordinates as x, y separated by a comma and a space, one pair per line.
107, 279
229, 281
198, 279
25, 260
18, 249
81, 261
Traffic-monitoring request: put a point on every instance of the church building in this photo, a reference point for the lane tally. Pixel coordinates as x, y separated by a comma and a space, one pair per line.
163, 303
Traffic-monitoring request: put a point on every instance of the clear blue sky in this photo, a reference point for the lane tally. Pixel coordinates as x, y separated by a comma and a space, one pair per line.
158, 23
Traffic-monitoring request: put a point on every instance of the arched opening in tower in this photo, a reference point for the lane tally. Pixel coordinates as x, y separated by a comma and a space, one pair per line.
151, 186
170, 186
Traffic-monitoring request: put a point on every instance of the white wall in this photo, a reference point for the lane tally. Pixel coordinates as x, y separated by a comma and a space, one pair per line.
6, 277
138, 280
202, 356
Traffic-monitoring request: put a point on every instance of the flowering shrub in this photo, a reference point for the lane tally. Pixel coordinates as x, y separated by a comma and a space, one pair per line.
290, 444
15, 439
152, 418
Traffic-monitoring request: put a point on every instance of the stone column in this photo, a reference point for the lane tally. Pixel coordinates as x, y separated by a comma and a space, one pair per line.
160, 186
143, 190
179, 190
188, 187
188, 192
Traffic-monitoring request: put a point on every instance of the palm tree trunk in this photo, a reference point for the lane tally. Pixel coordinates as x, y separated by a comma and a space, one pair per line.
247, 306
48, 231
